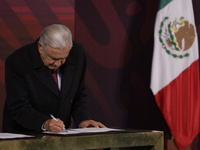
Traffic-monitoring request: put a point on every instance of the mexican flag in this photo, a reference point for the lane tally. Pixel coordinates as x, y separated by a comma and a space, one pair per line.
175, 69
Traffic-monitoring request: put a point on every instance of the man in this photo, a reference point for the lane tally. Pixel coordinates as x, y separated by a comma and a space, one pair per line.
32, 93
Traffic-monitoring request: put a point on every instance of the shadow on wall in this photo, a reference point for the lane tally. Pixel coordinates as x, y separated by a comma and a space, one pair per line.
143, 112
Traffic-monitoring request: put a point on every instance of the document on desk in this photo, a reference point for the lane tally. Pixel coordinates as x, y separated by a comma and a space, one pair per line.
85, 130
13, 136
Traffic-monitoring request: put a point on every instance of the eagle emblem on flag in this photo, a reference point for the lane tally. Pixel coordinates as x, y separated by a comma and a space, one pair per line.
176, 36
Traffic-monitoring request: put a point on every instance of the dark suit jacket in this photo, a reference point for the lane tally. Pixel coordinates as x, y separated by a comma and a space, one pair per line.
32, 93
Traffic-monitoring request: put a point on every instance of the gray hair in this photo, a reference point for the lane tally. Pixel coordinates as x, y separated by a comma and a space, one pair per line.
56, 36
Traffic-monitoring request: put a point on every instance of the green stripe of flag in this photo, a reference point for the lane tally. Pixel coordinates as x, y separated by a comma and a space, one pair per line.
163, 3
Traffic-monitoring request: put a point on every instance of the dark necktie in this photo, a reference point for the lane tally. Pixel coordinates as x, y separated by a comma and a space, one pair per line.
54, 74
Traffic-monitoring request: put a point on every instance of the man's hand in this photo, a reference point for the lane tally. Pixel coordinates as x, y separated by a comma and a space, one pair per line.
91, 123
54, 126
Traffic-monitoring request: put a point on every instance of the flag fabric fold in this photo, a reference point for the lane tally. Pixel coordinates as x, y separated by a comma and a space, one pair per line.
175, 69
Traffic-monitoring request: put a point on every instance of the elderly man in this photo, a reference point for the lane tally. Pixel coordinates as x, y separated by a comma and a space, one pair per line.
43, 78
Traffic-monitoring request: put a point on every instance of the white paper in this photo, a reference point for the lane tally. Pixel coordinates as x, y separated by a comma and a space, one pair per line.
85, 130
12, 136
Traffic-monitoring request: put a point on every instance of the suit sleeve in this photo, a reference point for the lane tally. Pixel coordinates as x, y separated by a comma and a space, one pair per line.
17, 98
79, 111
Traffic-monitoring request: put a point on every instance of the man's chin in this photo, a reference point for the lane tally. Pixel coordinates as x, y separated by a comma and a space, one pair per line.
50, 67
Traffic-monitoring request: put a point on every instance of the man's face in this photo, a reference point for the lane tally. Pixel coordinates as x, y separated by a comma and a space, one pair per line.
53, 58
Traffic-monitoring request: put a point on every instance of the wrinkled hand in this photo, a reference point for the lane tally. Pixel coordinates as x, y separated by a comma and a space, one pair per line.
54, 126
91, 123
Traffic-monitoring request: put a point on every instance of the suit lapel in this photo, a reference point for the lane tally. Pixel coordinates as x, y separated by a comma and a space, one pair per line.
44, 75
68, 71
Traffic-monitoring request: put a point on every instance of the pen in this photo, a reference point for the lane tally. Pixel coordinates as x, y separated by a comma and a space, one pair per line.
56, 120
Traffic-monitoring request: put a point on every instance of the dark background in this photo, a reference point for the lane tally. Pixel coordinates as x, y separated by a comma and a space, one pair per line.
118, 38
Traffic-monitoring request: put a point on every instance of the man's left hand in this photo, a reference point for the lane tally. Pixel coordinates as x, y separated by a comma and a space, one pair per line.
91, 123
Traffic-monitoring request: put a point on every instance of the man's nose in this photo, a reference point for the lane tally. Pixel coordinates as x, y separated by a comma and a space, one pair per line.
58, 63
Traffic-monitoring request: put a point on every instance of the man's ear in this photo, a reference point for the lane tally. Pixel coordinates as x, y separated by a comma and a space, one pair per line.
40, 49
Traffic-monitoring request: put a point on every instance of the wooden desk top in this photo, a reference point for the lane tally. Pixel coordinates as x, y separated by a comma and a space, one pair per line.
113, 139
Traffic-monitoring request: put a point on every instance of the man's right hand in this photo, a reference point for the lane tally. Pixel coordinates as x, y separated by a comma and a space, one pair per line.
54, 126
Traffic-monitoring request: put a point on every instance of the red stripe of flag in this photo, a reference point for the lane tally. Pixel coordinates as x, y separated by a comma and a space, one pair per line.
180, 105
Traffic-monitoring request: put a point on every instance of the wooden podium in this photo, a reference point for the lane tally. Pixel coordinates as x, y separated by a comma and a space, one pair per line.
113, 140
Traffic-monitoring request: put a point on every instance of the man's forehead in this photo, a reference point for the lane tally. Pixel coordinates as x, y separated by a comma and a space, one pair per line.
58, 53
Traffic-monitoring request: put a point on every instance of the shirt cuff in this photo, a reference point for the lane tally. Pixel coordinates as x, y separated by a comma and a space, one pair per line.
43, 127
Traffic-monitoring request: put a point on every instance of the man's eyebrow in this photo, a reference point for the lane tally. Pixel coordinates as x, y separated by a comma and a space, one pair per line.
56, 58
